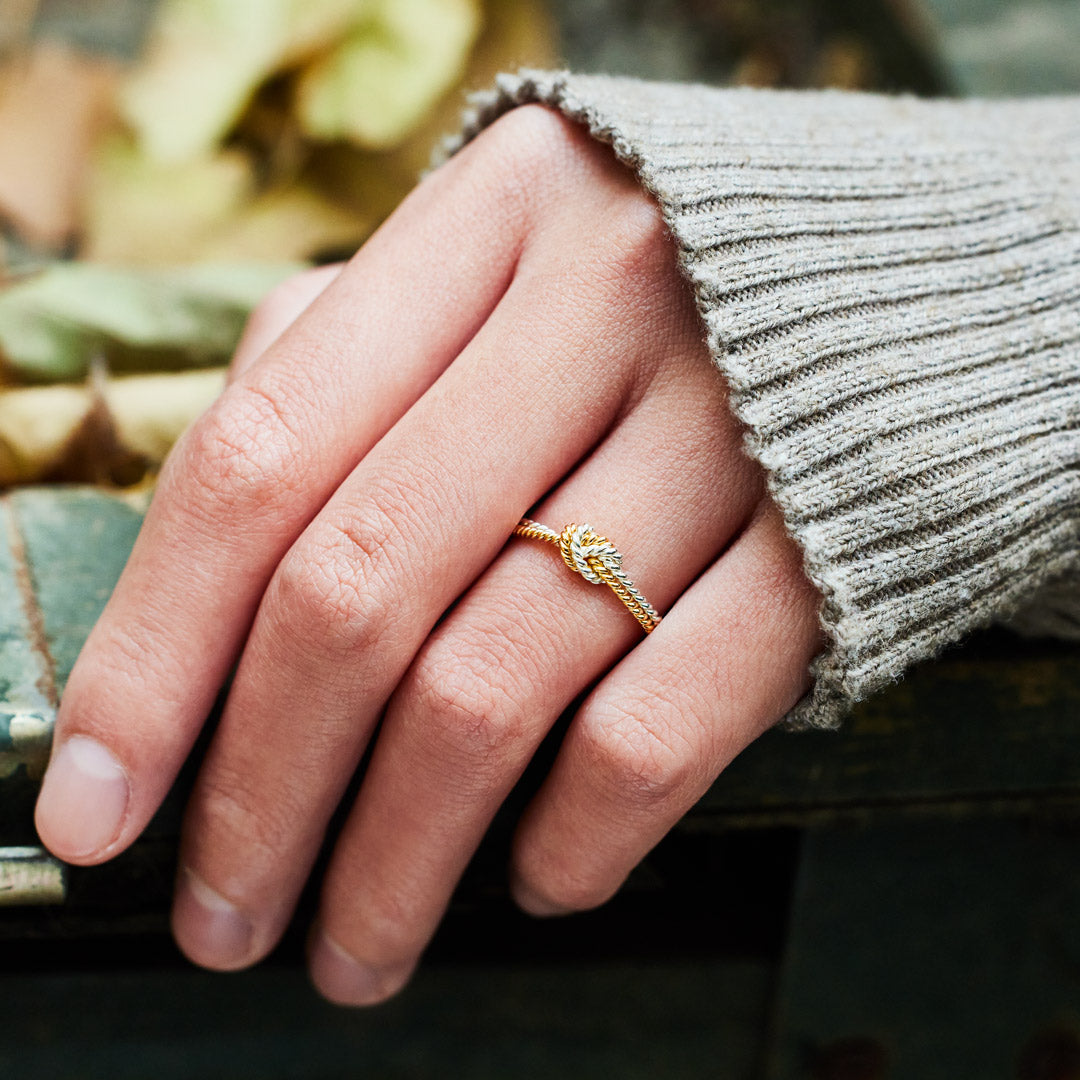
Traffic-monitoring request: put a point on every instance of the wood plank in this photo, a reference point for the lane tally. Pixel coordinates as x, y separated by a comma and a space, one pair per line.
27, 689
992, 724
635, 1021
933, 950
77, 540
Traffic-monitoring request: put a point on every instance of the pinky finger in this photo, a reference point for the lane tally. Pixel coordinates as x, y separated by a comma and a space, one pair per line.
279, 309
726, 663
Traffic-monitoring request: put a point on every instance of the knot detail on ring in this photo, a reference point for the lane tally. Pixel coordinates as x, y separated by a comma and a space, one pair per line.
597, 560
582, 547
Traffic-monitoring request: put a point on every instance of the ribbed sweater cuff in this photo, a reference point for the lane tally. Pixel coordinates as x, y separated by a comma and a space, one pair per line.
892, 289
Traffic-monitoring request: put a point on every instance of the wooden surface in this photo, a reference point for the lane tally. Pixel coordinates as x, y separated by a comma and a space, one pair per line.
992, 727
934, 949
626, 1021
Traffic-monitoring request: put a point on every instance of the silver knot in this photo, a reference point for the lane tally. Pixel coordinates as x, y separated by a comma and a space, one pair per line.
581, 546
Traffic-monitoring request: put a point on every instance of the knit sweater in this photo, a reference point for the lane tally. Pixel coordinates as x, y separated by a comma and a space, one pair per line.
891, 288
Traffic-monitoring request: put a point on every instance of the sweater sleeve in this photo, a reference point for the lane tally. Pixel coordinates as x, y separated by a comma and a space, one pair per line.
891, 287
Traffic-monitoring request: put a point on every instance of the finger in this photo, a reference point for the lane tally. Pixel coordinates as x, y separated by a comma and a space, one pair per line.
245, 480
277, 312
507, 661
415, 523
728, 661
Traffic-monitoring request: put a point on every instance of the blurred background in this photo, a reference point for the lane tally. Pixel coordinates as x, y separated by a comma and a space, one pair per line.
162, 164
145, 141
145, 131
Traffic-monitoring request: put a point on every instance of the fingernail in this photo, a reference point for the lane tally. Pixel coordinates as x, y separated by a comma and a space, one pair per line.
346, 981
83, 798
212, 931
532, 903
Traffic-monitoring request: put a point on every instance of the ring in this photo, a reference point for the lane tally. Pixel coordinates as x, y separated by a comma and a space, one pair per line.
596, 559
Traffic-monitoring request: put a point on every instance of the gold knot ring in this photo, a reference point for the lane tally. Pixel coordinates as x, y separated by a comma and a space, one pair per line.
596, 559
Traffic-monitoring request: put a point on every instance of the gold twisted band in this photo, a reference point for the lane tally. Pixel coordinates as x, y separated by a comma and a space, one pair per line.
596, 559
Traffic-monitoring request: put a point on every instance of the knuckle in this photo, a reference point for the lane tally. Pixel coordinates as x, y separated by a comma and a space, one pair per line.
325, 593
229, 815
638, 247
636, 757
531, 141
241, 458
530, 155
465, 708
341, 587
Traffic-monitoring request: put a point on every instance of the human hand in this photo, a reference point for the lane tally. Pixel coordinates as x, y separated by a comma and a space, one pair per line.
516, 338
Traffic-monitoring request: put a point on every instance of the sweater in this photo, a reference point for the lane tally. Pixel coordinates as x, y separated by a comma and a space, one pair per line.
891, 288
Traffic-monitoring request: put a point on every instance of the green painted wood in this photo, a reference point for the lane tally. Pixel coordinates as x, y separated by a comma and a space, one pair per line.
77, 540
27, 691
679, 1021
61, 551
933, 950
25, 683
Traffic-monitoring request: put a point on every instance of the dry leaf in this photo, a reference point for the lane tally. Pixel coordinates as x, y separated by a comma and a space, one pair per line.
292, 223
16, 20
275, 192
35, 426
53, 324
376, 87
206, 58
516, 33
54, 103
105, 431
150, 412
141, 213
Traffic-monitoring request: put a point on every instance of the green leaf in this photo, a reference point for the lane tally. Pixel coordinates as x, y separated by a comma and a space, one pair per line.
138, 212
54, 323
378, 85
206, 58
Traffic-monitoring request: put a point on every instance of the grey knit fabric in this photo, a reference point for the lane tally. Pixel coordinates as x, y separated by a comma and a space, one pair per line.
892, 289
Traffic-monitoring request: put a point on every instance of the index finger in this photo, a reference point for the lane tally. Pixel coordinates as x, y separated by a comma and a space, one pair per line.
248, 477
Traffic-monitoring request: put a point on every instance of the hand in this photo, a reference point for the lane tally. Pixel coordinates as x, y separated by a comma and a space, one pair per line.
515, 339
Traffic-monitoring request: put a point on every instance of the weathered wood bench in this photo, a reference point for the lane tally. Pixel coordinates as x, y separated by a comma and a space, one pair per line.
900, 899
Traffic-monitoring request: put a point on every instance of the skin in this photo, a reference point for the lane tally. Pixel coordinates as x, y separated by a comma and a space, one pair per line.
516, 339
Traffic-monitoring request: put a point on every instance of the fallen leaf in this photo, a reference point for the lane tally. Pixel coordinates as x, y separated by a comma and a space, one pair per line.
139, 212
206, 58
16, 21
53, 103
54, 323
516, 33
35, 425
108, 430
150, 412
376, 87
291, 223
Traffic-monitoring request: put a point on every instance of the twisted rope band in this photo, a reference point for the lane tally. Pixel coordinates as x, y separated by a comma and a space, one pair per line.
596, 559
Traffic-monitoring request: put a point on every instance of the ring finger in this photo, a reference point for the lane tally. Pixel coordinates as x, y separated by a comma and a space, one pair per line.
671, 486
